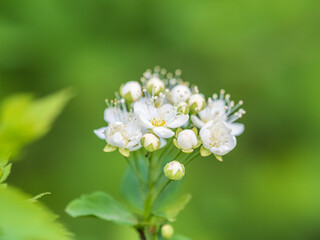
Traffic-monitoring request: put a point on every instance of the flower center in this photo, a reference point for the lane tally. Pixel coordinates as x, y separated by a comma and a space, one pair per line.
158, 123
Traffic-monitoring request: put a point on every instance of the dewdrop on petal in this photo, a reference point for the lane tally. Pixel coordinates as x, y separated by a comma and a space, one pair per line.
150, 142
131, 91
155, 86
174, 170
196, 102
167, 231
180, 93
183, 108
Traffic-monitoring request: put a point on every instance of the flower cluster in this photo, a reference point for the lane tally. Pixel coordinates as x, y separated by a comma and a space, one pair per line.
161, 107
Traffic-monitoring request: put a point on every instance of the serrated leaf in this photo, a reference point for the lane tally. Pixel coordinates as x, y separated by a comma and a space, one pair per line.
23, 119
102, 206
171, 211
21, 219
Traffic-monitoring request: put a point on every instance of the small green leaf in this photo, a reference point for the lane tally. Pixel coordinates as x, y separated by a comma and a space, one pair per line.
218, 157
171, 211
204, 151
178, 131
109, 148
102, 206
125, 152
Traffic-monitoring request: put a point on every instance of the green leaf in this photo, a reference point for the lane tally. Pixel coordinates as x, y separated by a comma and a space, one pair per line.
23, 119
218, 157
103, 206
171, 211
204, 151
21, 219
5, 172
131, 191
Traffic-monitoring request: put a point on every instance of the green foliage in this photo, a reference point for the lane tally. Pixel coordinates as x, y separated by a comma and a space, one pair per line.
102, 206
21, 219
5, 170
23, 119
171, 211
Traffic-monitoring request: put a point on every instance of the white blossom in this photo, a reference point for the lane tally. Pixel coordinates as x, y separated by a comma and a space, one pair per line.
217, 137
122, 135
159, 119
221, 109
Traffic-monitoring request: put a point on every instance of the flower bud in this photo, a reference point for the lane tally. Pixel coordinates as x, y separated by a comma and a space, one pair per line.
131, 91
174, 170
150, 142
196, 102
187, 139
155, 86
183, 108
167, 231
180, 93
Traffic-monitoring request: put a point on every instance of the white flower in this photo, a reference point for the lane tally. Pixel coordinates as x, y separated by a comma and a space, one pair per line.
217, 137
180, 93
131, 91
159, 119
196, 102
125, 136
187, 139
221, 109
155, 85
174, 170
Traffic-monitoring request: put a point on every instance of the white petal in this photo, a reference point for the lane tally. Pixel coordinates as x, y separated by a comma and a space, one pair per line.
237, 128
178, 121
163, 142
163, 132
109, 115
117, 140
145, 122
196, 121
100, 133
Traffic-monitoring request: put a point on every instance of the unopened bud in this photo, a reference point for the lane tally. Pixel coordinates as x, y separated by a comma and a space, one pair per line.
131, 91
183, 108
155, 86
180, 93
196, 103
150, 142
174, 170
187, 139
167, 231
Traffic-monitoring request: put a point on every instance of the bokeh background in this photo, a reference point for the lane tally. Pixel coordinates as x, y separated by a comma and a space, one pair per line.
263, 52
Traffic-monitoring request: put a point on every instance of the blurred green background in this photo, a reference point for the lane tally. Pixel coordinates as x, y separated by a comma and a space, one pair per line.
263, 52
